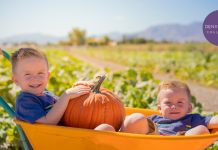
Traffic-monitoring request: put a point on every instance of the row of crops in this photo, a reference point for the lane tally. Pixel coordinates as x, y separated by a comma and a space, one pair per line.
136, 88
196, 66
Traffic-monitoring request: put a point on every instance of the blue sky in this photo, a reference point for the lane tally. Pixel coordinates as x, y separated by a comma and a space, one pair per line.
59, 17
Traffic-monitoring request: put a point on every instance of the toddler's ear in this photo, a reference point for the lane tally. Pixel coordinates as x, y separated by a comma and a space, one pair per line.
48, 75
159, 108
14, 79
190, 107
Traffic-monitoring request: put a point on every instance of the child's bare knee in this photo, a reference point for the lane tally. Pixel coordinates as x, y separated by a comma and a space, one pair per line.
135, 123
137, 118
105, 127
203, 129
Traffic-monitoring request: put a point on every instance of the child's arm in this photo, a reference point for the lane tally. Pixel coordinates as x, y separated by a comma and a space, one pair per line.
57, 111
213, 123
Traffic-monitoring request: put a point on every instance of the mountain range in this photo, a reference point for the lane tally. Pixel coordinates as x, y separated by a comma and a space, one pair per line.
169, 32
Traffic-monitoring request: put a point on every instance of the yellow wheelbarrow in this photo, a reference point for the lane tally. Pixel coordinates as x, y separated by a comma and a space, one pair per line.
53, 137
45, 137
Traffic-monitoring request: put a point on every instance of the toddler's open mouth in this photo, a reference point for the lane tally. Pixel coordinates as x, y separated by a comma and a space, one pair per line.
35, 85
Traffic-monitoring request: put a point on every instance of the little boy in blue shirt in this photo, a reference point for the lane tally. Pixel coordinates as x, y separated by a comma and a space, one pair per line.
174, 99
30, 72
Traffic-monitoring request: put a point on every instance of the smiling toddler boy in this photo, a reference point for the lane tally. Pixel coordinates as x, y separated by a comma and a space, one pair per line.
174, 99
30, 72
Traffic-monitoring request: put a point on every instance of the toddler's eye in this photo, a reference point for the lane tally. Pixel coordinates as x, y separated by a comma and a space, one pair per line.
167, 102
27, 74
180, 102
41, 73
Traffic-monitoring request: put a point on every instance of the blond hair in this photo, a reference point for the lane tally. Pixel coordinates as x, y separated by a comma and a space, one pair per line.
23, 53
174, 85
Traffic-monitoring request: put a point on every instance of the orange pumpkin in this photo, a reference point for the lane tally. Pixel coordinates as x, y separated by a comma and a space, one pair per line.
98, 107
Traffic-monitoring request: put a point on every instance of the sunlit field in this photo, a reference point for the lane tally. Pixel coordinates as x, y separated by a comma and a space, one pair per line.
196, 62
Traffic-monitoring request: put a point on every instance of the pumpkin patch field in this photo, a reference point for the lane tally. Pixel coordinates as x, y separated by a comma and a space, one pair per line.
134, 87
196, 65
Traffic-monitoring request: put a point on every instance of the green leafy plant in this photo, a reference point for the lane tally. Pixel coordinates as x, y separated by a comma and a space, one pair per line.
9, 136
185, 65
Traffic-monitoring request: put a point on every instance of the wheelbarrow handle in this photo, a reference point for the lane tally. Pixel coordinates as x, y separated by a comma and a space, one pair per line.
6, 107
6, 55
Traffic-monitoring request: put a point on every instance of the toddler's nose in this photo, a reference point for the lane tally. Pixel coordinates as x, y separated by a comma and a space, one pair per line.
35, 78
173, 107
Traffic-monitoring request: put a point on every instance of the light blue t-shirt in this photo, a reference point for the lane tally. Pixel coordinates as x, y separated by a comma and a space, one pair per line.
30, 108
171, 127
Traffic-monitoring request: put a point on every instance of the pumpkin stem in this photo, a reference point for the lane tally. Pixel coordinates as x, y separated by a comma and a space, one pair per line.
96, 87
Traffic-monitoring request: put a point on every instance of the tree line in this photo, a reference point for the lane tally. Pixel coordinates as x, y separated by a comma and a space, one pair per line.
77, 37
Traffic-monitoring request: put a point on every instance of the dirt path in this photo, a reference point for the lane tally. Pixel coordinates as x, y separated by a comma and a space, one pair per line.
203, 95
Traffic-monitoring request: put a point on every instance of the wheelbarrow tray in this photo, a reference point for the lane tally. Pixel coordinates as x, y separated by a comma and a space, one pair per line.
42, 136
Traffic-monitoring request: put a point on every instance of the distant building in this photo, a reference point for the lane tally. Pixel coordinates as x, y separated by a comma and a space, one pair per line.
6, 46
27, 45
112, 43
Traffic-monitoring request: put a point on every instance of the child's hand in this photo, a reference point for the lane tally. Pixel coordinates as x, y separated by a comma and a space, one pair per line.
85, 83
77, 91
1, 53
